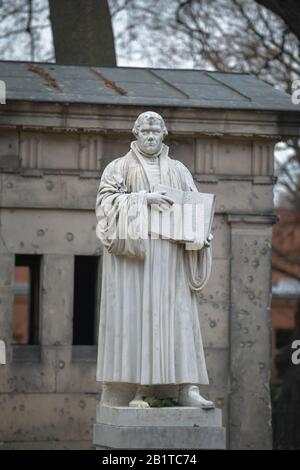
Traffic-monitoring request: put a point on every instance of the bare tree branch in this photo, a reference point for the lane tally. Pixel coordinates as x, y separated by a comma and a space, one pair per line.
286, 272
288, 10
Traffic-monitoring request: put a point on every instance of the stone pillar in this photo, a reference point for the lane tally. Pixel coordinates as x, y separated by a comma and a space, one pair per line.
250, 331
57, 273
57, 299
7, 264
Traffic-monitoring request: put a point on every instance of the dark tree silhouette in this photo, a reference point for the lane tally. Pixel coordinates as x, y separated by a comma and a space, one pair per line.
82, 32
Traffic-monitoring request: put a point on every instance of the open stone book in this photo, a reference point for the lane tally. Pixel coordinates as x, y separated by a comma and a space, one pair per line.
188, 220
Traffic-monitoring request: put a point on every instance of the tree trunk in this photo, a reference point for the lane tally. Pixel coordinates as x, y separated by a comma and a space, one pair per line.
288, 10
82, 32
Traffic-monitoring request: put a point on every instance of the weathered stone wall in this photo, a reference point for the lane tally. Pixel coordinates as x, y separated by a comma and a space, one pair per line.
50, 171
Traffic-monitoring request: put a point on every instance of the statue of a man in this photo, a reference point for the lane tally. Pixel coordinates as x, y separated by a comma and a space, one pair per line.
149, 330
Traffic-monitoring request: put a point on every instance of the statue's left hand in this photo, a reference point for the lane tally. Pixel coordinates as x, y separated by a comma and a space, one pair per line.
208, 241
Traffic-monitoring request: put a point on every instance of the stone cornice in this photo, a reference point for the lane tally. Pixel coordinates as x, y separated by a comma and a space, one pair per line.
55, 117
253, 218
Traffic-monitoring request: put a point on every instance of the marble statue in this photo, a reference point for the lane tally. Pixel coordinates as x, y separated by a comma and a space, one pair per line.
149, 329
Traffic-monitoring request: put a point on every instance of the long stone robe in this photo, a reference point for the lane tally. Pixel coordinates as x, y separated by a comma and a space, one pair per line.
149, 329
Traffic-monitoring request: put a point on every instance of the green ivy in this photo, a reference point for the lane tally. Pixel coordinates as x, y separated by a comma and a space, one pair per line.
160, 403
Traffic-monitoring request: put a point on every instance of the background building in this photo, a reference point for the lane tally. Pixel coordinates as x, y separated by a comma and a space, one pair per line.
59, 128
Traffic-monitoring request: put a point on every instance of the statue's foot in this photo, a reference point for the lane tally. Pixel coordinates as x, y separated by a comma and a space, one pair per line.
189, 395
138, 401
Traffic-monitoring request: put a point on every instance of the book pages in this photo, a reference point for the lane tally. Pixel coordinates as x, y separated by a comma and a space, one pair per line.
188, 221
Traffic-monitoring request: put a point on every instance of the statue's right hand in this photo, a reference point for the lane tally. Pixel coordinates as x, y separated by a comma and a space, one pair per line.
160, 198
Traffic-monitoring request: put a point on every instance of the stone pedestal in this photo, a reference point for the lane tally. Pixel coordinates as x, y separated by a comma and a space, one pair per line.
121, 427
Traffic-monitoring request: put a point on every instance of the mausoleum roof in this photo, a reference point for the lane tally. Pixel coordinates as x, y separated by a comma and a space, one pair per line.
47, 82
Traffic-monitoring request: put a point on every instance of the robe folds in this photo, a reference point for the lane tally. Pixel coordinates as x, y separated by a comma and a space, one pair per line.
149, 328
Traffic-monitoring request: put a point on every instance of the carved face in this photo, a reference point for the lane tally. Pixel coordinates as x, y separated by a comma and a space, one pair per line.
150, 137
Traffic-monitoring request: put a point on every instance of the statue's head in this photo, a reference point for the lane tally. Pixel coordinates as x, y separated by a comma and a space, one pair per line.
150, 130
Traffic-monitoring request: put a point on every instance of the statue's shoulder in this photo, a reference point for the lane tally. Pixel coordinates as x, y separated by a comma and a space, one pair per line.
179, 166
184, 174
118, 165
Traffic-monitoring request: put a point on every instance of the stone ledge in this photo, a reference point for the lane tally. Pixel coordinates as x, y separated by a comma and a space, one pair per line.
252, 218
121, 427
178, 416
158, 437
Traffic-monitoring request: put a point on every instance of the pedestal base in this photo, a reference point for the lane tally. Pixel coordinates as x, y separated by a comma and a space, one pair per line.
122, 427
